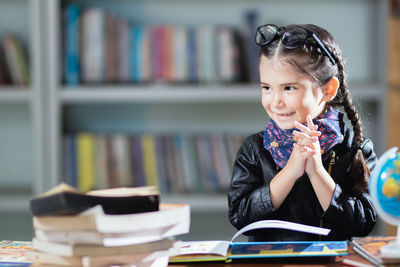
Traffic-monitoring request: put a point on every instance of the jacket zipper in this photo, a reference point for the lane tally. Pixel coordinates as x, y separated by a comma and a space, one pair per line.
331, 163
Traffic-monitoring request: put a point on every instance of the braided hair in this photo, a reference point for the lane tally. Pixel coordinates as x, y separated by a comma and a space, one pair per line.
311, 60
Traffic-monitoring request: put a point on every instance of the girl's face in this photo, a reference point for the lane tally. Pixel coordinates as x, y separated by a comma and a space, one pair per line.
288, 95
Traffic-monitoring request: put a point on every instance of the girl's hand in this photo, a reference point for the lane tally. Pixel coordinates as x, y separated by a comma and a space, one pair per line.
320, 179
308, 144
302, 150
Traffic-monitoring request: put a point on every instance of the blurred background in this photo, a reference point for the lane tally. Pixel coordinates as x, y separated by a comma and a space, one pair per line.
101, 93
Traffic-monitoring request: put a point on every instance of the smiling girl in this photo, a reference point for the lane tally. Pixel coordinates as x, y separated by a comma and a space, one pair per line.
307, 166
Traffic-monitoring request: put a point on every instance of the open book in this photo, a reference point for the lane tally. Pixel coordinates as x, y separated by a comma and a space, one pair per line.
194, 251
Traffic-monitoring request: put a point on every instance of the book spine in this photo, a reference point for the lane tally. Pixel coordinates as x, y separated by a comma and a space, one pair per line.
85, 161
71, 36
93, 31
149, 160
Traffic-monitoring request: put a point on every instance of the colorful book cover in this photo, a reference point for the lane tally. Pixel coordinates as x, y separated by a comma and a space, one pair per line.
201, 251
13, 253
241, 250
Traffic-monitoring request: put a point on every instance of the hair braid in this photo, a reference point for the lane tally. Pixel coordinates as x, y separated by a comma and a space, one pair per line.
359, 171
344, 99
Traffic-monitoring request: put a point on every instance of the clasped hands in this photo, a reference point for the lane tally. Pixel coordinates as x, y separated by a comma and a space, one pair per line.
306, 154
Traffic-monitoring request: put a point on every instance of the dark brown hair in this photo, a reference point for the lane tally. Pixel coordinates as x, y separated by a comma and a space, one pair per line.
311, 60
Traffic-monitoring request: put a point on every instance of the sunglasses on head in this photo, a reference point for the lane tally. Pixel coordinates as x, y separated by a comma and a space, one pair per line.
291, 37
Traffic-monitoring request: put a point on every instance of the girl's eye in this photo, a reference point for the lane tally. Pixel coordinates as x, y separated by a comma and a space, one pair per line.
290, 88
266, 88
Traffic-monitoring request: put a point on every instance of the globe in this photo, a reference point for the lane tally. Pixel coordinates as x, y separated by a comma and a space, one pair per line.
384, 187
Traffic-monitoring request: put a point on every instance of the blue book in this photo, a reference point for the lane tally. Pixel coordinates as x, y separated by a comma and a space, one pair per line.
69, 160
247, 250
71, 50
137, 38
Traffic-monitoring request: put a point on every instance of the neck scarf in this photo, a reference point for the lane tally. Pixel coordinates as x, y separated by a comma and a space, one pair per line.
280, 142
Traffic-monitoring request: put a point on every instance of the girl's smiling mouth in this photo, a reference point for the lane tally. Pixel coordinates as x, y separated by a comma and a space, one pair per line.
284, 115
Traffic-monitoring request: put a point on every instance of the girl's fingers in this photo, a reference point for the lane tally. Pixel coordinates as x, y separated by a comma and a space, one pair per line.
310, 123
301, 135
310, 131
301, 127
299, 147
304, 148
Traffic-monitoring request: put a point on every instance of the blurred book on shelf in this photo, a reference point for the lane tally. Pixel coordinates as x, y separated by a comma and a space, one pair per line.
174, 163
112, 49
14, 67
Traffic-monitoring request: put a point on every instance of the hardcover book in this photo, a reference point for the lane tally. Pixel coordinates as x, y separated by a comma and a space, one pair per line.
369, 248
198, 251
66, 200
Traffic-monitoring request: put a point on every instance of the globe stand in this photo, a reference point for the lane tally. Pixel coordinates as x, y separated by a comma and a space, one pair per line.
392, 250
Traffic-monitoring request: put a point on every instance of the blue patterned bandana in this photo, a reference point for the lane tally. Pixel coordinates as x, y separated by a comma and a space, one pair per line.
280, 142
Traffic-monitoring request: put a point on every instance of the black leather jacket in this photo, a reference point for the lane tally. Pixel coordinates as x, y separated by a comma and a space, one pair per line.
350, 213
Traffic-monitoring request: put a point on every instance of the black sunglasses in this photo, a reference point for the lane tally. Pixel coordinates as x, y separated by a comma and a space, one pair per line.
292, 37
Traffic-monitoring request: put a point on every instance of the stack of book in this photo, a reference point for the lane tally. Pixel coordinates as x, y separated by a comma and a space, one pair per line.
102, 228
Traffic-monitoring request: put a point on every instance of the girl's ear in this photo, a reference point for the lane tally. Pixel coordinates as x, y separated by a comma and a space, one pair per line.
330, 89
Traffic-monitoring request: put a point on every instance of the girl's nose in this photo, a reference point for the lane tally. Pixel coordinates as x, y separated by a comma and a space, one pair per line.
277, 99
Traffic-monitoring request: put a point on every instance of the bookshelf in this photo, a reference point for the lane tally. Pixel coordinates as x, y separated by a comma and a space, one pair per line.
48, 108
167, 107
21, 156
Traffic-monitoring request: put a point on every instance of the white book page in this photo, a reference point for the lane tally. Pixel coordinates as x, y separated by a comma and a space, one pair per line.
282, 225
204, 247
